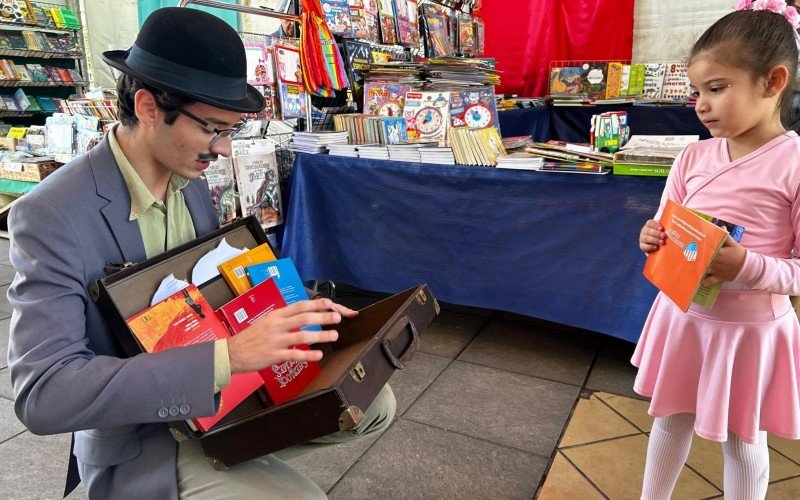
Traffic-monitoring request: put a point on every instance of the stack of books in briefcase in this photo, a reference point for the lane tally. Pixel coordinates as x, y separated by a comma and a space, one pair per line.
216, 286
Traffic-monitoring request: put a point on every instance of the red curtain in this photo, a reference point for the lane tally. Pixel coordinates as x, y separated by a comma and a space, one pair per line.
525, 36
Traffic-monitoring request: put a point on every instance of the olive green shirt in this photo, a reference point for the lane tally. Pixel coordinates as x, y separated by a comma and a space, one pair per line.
161, 232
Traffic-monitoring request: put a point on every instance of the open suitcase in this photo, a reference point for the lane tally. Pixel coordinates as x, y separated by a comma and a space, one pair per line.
381, 339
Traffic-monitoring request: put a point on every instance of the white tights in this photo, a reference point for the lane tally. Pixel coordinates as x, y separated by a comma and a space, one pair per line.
746, 472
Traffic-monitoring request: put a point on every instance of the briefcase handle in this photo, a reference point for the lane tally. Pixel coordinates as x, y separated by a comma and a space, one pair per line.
401, 362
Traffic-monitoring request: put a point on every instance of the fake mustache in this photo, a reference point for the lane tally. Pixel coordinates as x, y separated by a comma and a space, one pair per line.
208, 157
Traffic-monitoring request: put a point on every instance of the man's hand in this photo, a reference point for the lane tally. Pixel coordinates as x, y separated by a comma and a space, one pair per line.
267, 341
727, 264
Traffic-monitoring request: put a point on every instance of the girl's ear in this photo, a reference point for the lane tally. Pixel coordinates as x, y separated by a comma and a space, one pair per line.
776, 80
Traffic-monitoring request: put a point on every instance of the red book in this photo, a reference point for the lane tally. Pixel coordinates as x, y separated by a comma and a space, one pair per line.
185, 318
283, 381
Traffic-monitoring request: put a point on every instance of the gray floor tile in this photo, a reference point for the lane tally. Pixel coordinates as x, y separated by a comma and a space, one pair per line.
5, 384
507, 408
10, 425
7, 274
327, 465
408, 384
4, 324
5, 307
555, 355
450, 333
612, 371
35, 467
416, 461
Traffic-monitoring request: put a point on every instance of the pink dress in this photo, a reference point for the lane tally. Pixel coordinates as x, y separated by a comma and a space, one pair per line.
735, 366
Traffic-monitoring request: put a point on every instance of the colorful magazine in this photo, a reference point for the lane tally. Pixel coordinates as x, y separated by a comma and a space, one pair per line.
387, 20
337, 16
427, 115
384, 99
291, 90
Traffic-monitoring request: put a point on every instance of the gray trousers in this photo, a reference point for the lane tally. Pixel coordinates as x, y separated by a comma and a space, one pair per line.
269, 476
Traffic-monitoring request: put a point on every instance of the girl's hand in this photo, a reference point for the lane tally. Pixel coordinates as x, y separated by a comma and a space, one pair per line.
728, 263
652, 236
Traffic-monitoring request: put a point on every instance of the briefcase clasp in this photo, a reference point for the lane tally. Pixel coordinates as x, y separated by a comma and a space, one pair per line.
358, 373
350, 418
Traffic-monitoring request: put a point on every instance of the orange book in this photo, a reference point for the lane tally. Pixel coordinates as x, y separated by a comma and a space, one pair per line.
185, 318
692, 243
234, 272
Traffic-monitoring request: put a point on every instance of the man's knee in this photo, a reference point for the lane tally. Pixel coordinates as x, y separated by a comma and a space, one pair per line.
379, 414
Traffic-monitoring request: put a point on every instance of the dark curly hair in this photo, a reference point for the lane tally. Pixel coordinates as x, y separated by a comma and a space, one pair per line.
127, 86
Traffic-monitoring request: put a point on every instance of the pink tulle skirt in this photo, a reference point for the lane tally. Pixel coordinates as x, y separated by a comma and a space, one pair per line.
736, 366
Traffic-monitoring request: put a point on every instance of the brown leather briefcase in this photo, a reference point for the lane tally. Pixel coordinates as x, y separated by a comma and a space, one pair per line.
381, 339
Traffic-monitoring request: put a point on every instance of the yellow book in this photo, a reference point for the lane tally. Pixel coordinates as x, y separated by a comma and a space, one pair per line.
17, 132
58, 18
233, 271
614, 80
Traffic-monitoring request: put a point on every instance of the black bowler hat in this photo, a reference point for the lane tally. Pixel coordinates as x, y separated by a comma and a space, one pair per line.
192, 53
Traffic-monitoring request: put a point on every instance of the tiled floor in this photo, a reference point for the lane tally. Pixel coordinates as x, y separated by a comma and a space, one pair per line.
493, 405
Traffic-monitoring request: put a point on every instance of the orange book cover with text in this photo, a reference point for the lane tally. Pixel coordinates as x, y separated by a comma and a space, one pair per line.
234, 272
185, 318
692, 243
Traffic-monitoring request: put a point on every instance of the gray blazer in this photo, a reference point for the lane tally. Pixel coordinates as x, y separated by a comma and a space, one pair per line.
68, 372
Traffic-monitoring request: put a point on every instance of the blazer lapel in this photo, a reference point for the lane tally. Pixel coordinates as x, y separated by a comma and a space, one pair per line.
111, 186
196, 203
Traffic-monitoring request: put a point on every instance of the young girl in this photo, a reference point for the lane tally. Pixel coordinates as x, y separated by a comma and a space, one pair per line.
731, 373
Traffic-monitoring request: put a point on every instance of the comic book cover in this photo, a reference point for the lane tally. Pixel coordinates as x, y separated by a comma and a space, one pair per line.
436, 27
384, 99
260, 69
291, 91
474, 108
371, 22
337, 15
466, 34
387, 21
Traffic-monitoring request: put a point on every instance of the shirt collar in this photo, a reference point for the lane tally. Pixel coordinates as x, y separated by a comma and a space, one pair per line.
141, 197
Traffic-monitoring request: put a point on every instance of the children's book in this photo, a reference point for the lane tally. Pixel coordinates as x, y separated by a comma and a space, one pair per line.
706, 295
291, 90
474, 108
283, 381
185, 318
427, 115
636, 80
371, 20
437, 29
692, 243
234, 273
260, 69
387, 20
337, 15
466, 34
285, 275
384, 99
653, 80
676, 82
614, 80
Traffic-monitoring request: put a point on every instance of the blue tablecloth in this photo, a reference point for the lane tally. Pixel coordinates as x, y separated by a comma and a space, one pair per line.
571, 123
561, 247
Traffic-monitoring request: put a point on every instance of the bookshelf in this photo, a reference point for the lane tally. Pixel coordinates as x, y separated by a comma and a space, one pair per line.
42, 53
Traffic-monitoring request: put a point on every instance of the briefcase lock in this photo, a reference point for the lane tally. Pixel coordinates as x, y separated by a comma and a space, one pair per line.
350, 418
358, 373
422, 298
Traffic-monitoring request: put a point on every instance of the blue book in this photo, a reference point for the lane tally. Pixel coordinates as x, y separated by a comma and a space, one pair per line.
286, 278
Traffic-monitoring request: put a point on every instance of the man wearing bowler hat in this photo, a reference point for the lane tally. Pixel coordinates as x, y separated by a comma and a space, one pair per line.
138, 193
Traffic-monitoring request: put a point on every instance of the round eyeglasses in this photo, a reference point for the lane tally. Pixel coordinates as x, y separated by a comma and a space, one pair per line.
220, 133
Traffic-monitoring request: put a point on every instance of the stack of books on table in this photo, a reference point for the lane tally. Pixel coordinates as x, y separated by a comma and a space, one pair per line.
568, 152
520, 161
439, 156
373, 152
350, 150
315, 142
575, 168
409, 150
650, 155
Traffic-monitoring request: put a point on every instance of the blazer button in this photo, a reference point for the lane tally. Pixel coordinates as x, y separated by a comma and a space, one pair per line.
174, 410
163, 412
185, 409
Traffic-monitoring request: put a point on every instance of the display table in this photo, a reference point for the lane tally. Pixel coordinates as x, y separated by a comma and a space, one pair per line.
571, 123
561, 247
